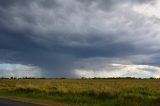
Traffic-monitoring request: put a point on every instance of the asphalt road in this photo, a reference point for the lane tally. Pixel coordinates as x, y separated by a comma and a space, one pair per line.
6, 102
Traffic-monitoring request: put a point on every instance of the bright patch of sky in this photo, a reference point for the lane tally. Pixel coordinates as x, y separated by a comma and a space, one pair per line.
19, 70
121, 70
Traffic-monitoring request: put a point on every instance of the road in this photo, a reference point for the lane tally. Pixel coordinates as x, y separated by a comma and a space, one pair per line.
7, 102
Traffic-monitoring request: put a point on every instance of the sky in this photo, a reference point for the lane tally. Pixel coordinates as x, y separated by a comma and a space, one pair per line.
80, 38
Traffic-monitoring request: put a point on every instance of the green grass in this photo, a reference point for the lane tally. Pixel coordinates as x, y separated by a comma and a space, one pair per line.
86, 92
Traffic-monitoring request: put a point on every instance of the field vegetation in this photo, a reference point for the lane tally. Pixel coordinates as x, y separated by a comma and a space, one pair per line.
86, 92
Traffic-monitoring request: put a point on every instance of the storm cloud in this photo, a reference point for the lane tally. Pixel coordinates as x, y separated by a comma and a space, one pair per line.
59, 37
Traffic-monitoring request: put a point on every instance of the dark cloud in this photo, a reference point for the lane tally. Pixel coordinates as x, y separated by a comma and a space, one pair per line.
9, 3
111, 4
57, 35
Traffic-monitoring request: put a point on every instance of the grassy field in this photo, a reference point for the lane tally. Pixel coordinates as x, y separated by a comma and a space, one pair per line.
86, 92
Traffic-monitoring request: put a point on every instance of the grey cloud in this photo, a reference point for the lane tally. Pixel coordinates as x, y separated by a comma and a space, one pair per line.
8, 3
111, 4
57, 35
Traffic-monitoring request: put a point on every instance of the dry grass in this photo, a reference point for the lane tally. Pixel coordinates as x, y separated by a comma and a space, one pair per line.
87, 90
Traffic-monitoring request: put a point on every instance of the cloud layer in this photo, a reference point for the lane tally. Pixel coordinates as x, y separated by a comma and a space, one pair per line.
60, 36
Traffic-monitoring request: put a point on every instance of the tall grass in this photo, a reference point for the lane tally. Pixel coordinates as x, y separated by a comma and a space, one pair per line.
87, 92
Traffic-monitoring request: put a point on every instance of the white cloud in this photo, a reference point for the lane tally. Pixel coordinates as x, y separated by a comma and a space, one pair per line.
150, 10
19, 70
121, 70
